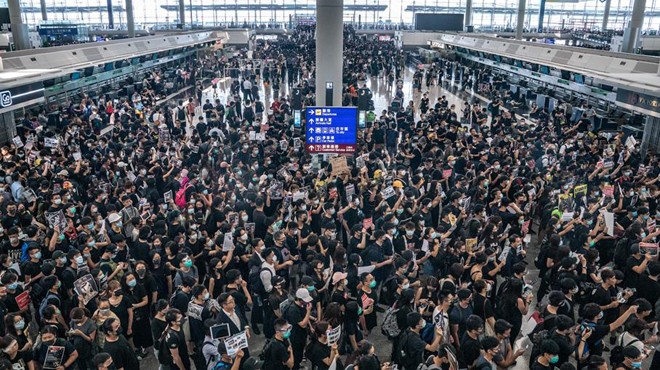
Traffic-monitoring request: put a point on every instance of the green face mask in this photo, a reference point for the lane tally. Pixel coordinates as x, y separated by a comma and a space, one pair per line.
554, 359
72, 210
359, 311
372, 284
286, 334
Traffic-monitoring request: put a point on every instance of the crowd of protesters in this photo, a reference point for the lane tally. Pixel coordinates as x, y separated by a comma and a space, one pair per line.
192, 223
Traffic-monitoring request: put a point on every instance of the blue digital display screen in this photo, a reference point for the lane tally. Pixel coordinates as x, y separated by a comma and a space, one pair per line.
331, 129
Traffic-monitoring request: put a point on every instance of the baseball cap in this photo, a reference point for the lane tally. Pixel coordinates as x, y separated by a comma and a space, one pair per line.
338, 276
303, 294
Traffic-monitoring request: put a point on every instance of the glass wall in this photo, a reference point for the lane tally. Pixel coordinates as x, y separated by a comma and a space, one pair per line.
487, 14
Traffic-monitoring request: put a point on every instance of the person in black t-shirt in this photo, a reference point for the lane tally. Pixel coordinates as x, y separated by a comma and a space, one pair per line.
594, 342
413, 345
298, 315
173, 352
470, 345
548, 358
117, 346
278, 353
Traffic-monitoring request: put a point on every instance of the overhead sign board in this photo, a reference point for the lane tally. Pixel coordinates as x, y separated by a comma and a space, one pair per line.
331, 129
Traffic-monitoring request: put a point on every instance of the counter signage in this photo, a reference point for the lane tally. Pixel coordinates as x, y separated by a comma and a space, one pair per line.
331, 129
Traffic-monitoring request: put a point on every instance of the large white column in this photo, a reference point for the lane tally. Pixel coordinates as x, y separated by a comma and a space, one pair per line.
130, 20
521, 19
606, 15
468, 13
329, 49
631, 34
19, 30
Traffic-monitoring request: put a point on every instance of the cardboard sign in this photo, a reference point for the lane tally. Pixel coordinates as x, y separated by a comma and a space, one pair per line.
339, 165
650, 224
446, 173
168, 196
367, 222
608, 190
23, 300
107, 130
452, 219
51, 142
86, 288
235, 343
284, 145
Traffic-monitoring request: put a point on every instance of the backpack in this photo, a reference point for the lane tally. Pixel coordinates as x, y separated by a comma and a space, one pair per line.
175, 294
254, 280
621, 251
390, 328
538, 164
181, 114
616, 353
200, 355
44, 302
387, 296
400, 357
180, 198
538, 338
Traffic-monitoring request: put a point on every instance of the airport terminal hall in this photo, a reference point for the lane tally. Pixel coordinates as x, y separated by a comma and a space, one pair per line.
329, 184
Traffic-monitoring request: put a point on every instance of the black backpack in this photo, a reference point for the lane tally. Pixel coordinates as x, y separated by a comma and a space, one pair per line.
254, 280
199, 355
538, 338
621, 251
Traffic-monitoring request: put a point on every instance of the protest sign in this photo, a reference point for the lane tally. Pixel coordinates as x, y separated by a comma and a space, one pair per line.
23, 300
18, 143
235, 343
54, 357
333, 335
388, 192
650, 248
228, 243
86, 289
56, 219
50, 142
339, 165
